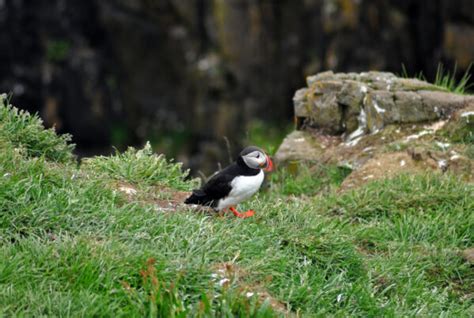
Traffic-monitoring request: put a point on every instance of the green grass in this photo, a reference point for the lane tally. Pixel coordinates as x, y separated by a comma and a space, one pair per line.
306, 180
23, 130
140, 166
72, 245
446, 79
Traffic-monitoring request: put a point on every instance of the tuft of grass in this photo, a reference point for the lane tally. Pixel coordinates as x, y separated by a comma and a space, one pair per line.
27, 132
418, 75
444, 78
141, 166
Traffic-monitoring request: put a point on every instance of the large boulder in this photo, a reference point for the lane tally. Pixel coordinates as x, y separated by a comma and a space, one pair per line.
380, 125
336, 102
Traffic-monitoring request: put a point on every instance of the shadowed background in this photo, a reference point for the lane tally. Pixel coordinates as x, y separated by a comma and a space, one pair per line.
194, 76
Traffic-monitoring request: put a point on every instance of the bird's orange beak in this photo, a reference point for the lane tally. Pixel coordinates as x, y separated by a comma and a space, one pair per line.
269, 166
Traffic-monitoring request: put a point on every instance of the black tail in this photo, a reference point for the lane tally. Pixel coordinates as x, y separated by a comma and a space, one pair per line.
198, 197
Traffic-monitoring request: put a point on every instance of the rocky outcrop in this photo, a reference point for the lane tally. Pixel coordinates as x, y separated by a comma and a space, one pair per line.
379, 125
355, 104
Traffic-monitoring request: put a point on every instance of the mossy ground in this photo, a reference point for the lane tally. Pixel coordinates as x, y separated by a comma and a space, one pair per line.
72, 245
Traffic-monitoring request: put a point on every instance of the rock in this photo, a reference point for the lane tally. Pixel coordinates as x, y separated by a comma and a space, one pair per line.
381, 125
298, 145
381, 110
439, 100
300, 103
333, 102
351, 97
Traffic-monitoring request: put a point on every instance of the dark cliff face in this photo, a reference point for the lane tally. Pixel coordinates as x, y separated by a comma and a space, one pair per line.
120, 72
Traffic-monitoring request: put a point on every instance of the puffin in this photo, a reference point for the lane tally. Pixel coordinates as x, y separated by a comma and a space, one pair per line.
235, 183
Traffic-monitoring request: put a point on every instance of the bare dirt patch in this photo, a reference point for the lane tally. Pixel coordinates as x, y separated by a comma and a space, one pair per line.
386, 165
166, 199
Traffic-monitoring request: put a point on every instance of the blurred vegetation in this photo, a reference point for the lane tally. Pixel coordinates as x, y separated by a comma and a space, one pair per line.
172, 142
57, 51
266, 135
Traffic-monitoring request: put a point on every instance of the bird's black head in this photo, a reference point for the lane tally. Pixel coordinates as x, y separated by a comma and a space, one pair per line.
255, 158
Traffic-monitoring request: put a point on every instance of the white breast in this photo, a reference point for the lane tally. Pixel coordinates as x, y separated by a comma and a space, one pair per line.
243, 187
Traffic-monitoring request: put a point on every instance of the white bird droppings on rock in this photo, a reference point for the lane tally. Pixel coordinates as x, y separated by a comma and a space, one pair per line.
443, 146
467, 115
442, 164
378, 109
436, 126
416, 136
353, 142
356, 135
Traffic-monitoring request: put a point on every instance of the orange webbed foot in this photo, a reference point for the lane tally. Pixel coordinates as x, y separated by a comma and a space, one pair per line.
243, 215
248, 213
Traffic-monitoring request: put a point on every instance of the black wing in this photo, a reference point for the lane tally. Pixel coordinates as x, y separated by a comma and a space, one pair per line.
216, 188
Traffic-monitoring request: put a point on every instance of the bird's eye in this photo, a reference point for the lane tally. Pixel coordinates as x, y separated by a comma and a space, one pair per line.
258, 156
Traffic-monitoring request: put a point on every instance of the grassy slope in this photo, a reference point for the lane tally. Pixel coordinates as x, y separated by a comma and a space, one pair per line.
73, 246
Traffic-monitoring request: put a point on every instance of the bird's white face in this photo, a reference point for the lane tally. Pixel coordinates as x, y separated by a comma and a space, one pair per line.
256, 160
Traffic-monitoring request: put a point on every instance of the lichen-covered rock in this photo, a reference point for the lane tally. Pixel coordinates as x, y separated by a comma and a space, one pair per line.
381, 125
334, 102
